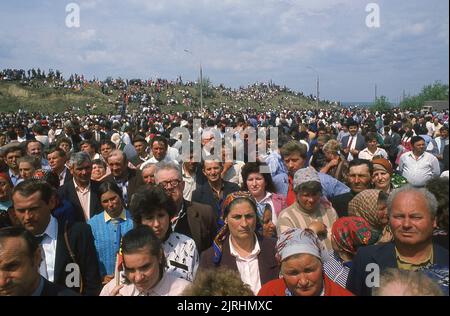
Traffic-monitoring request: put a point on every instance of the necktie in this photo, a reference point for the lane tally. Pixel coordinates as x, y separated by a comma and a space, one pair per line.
350, 143
43, 265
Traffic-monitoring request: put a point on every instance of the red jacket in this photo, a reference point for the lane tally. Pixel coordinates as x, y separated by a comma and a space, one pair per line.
278, 288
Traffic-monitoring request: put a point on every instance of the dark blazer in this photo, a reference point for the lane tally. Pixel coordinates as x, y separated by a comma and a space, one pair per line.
67, 191
384, 256
201, 224
68, 176
204, 194
340, 203
268, 265
51, 289
81, 241
360, 142
135, 181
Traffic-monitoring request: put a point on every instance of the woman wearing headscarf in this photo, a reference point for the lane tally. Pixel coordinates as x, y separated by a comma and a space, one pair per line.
6, 187
347, 235
238, 246
383, 176
372, 206
302, 256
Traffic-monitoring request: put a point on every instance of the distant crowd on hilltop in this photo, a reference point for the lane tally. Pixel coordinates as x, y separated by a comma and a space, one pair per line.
121, 205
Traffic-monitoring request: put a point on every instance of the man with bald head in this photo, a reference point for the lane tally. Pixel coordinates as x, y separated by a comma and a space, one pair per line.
412, 218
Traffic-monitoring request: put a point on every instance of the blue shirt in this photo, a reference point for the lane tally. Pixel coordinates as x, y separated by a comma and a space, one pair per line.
331, 187
107, 237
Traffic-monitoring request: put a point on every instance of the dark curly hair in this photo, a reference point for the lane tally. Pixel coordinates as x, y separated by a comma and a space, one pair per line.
254, 167
149, 199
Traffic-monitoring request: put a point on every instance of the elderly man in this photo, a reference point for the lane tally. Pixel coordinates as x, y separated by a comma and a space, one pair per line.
81, 191
358, 179
310, 210
215, 190
68, 251
34, 148
418, 166
128, 180
412, 218
194, 220
20, 248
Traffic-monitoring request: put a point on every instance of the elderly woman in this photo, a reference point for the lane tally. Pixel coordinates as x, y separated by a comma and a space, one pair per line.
337, 165
108, 227
383, 176
302, 255
347, 235
311, 209
372, 206
98, 170
152, 207
262, 189
239, 247
27, 166
143, 268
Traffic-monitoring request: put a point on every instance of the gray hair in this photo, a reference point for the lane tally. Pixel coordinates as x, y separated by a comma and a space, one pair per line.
409, 283
167, 166
76, 159
118, 153
148, 165
430, 199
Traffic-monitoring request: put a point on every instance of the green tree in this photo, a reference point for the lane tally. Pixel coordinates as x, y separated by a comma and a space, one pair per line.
432, 92
381, 104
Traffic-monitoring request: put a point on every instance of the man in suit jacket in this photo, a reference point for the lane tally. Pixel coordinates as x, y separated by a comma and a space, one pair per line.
129, 180
18, 245
216, 189
57, 161
353, 143
412, 218
82, 192
68, 251
193, 219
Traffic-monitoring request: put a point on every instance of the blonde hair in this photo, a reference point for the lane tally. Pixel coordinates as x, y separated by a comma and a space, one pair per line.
332, 146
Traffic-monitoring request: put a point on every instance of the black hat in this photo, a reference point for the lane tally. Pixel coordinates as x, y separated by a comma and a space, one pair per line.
351, 122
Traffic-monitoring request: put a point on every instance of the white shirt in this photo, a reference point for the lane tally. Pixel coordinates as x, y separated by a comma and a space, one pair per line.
169, 285
234, 173
367, 154
181, 256
154, 161
189, 185
62, 176
268, 200
418, 171
248, 267
48, 244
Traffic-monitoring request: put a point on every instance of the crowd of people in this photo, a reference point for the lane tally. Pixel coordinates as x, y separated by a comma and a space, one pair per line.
115, 204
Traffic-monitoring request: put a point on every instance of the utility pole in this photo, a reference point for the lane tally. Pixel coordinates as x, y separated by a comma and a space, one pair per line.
375, 92
318, 84
201, 87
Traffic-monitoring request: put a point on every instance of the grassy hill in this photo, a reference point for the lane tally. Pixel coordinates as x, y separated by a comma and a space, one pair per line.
45, 99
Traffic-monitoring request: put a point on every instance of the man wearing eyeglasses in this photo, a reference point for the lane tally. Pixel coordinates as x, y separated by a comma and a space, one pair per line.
194, 220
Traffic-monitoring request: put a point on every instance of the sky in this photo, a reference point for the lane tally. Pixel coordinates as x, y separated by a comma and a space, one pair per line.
291, 42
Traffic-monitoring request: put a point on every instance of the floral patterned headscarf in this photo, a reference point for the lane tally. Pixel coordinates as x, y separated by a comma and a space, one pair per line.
352, 232
224, 231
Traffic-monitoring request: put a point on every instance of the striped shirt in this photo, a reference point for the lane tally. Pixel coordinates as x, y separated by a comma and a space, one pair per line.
294, 217
336, 269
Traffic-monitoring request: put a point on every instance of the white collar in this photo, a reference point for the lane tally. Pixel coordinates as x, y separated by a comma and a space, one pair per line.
256, 249
52, 229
